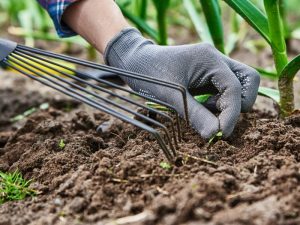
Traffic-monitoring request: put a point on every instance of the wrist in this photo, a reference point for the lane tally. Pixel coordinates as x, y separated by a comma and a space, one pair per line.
124, 45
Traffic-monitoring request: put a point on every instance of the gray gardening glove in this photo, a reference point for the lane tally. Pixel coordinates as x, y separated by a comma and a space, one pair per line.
199, 67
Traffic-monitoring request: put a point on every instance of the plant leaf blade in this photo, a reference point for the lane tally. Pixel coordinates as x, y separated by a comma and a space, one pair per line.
270, 93
252, 15
212, 12
291, 69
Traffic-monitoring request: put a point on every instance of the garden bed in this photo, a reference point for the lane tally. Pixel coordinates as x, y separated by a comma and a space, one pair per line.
252, 178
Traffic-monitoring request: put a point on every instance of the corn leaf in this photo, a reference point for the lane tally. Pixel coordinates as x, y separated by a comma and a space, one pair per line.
212, 14
252, 15
269, 93
143, 26
161, 10
266, 73
140, 8
291, 69
19, 31
198, 21
276, 34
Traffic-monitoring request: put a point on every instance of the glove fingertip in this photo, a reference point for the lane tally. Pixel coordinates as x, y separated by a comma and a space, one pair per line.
210, 130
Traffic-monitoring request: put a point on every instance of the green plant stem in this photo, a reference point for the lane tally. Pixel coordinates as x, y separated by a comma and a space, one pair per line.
287, 32
277, 36
144, 27
143, 9
140, 9
286, 89
162, 29
212, 14
161, 10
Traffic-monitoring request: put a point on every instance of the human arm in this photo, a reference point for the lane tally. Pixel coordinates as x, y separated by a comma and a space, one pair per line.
200, 68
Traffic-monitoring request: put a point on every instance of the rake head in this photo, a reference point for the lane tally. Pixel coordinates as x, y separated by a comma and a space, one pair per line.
49, 69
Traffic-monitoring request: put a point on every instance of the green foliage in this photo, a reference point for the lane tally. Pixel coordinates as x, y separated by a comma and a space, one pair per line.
28, 15
270, 18
61, 144
198, 22
270, 93
165, 165
14, 187
217, 136
253, 15
271, 26
28, 112
212, 12
161, 9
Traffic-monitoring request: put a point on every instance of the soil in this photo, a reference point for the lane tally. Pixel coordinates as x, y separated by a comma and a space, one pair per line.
115, 177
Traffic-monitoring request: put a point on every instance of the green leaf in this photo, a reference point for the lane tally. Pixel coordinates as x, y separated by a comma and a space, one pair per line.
61, 144
270, 93
212, 14
266, 73
161, 8
14, 187
144, 27
165, 165
217, 136
198, 21
276, 34
157, 106
252, 15
23, 115
291, 69
202, 98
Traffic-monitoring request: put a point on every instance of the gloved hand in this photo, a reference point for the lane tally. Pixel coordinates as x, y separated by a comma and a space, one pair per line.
199, 67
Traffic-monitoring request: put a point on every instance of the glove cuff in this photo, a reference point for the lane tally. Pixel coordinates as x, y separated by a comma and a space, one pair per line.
125, 42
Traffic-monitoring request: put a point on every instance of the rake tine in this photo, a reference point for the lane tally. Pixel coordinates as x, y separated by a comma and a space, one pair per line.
94, 104
144, 97
118, 87
115, 86
121, 72
93, 93
34, 57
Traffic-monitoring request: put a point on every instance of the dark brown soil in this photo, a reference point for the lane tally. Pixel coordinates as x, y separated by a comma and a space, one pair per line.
252, 178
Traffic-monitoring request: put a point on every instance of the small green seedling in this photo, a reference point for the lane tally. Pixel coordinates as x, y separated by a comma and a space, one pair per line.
61, 144
28, 112
14, 187
165, 165
200, 98
217, 136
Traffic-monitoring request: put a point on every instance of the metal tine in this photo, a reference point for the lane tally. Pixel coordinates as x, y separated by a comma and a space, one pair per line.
139, 95
33, 57
114, 86
100, 106
121, 72
17, 55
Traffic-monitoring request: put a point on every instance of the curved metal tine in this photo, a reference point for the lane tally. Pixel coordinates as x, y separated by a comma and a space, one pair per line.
142, 96
16, 54
114, 86
124, 73
95, 105
50, 64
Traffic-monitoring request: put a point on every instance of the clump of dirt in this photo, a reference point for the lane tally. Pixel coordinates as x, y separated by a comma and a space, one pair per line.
96, 178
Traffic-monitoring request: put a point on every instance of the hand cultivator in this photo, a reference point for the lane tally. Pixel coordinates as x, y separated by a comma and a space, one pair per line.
44, 67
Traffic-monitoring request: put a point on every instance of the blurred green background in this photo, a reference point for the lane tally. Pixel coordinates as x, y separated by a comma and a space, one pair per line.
168, 22
165, 21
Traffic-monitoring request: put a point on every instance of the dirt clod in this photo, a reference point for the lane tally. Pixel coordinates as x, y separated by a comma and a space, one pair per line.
115, 175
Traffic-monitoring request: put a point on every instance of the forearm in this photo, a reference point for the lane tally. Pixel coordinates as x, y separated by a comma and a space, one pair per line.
98, 21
